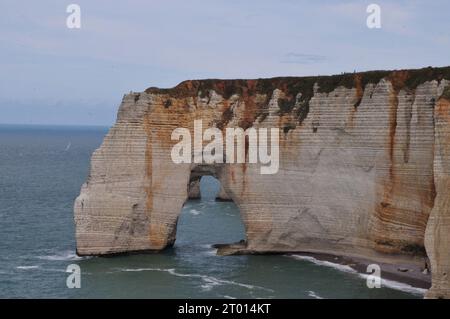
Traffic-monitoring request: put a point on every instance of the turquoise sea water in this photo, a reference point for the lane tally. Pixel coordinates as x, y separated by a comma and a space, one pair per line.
41, 171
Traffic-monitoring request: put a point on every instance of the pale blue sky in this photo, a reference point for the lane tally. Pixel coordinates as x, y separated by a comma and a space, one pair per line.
50, 74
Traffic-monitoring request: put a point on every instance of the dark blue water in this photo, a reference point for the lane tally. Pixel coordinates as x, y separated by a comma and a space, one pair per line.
41, 171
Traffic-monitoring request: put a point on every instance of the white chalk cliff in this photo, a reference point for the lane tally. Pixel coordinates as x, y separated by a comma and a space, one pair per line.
364, 168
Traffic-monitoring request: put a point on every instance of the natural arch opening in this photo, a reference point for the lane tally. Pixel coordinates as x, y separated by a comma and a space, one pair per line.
209, 218
207, 188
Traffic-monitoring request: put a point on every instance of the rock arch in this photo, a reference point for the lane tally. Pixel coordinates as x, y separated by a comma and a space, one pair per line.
362, 167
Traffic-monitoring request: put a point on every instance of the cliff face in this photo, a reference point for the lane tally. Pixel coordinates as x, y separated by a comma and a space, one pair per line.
437, 236
364, 167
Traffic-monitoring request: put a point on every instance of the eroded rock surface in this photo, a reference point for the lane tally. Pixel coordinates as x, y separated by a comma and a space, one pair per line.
364, 161
222, 196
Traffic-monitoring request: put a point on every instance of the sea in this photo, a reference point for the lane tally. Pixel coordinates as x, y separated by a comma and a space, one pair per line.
41, 171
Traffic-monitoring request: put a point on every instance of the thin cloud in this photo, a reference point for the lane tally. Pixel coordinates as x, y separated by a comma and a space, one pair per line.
302, 58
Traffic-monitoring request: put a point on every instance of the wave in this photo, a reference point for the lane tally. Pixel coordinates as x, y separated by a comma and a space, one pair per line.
63, 256
209, 250
45, 269
208, 281
194, 212
344, 268
340, 267
399, 286
314, 295
27, 267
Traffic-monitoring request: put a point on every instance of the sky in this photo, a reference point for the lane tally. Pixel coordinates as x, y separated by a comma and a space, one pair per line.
50, 74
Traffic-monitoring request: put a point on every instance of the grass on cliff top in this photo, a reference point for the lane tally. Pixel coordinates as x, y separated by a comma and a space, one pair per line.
291, 86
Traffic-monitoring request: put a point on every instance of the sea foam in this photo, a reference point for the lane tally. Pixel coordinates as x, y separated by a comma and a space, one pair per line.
345, 268
63, 256
208, 281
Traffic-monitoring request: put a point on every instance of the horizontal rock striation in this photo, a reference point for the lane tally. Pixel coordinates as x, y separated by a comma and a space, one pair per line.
364, 168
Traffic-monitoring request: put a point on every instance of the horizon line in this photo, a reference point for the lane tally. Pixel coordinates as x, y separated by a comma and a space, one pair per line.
63, 125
